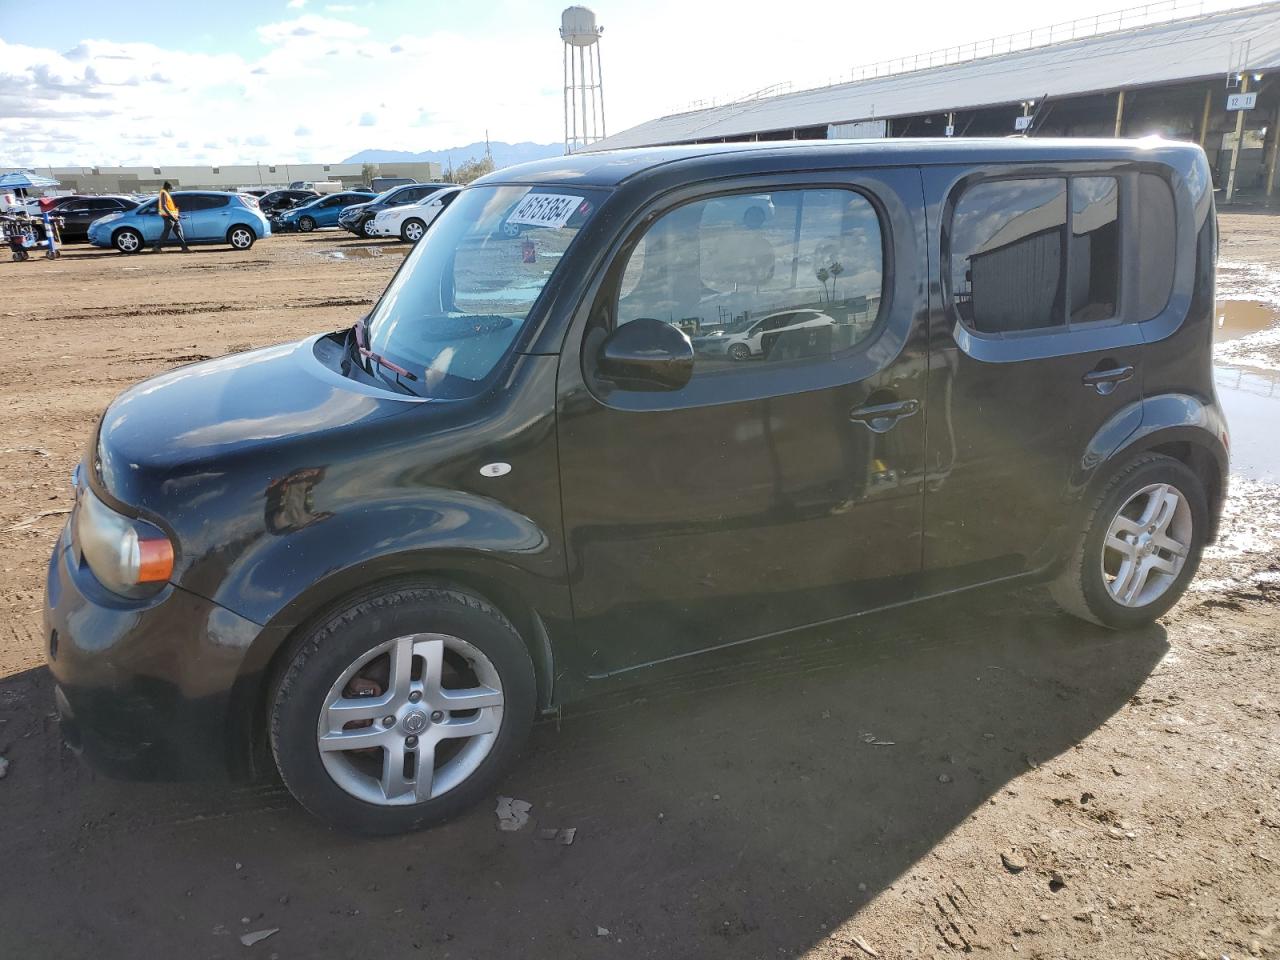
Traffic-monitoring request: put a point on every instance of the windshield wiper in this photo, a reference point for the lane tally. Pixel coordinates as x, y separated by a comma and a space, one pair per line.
361, 331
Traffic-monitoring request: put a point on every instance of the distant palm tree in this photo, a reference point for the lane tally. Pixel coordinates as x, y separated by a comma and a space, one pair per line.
836, 269
823, 277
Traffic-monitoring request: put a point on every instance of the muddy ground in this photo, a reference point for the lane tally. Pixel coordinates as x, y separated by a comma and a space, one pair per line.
980, 775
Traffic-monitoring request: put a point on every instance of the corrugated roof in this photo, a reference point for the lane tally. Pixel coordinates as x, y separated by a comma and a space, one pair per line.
1173, 52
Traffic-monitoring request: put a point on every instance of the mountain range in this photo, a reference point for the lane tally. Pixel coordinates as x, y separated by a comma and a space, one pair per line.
504, 154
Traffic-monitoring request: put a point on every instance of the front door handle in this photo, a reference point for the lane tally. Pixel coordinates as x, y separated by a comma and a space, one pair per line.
881, 417
1106, 380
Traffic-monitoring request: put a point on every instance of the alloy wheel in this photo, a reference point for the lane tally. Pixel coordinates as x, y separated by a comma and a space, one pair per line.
413, 231
241, 239
368, 228
1147, 545
410, 720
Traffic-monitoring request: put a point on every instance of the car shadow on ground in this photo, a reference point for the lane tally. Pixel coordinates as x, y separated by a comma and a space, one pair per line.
741, 805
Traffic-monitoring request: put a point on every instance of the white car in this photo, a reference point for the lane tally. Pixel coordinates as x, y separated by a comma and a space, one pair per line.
410, 222
747, 342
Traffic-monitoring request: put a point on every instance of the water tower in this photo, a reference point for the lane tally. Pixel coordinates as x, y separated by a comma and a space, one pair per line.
583, 90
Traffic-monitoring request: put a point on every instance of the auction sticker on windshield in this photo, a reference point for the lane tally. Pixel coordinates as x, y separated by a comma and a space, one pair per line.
545, 210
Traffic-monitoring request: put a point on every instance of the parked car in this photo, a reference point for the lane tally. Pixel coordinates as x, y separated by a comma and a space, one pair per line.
359, 217
278, 201
318, 186
78, 213
321, 212
751, 340
206, 217
410, 222
370, 558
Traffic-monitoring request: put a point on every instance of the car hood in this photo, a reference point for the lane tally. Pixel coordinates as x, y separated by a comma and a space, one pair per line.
210, 418
108, 218
356, 208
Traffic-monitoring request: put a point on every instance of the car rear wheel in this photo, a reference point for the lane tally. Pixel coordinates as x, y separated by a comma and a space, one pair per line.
1140, 546
411, 230
240, 237
367, 228
402, 709
127, 241
306, 224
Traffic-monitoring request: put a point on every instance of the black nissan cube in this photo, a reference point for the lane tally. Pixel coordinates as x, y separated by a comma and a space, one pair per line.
369, 559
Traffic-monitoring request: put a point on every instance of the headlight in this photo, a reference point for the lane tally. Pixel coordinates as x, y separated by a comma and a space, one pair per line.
129, 557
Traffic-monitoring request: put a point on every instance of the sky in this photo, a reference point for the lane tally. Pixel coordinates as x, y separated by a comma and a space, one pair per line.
289, 81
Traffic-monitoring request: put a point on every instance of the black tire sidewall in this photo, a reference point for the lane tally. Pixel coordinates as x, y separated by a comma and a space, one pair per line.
404, 231
1098, 599
336, 644
306, 224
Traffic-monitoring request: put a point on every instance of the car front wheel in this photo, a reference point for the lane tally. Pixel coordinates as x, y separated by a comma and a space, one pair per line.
1140, 545
240, 238
401, 710
367, 228
127, 241
306, 224
412, 230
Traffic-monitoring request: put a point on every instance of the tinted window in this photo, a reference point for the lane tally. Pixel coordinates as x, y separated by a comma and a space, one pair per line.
191, 202
783, 275
1156, 234
1007, 256
1095, 248
104, 204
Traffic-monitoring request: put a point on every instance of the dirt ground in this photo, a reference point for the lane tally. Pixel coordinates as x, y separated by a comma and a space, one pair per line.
978, 775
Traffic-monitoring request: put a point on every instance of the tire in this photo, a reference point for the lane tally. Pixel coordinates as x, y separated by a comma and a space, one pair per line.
127, 240
1118, 530
306, 224
411, 230
241, 237
739, 351
366, 229
347, 786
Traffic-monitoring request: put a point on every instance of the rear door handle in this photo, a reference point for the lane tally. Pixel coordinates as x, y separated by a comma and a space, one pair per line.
1105, 381
881, 417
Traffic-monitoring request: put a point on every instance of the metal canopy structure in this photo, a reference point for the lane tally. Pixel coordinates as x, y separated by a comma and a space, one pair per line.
1178, 51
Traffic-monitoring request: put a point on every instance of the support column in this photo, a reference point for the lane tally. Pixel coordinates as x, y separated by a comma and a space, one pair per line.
1119, 112
1275, 152
1235, 148
1204, 117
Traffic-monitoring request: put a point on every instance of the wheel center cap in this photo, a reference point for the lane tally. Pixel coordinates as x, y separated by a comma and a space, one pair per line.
415, 722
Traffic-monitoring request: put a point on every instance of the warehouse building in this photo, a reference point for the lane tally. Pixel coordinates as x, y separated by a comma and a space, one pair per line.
1181, 78
98, 180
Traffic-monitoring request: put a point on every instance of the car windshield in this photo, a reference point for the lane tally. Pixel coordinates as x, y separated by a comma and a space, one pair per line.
459, 302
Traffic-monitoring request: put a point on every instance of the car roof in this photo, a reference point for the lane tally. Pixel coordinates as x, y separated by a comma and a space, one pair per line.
611, 168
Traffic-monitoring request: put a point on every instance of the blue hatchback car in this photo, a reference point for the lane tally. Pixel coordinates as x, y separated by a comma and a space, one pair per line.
323, 211
206, 216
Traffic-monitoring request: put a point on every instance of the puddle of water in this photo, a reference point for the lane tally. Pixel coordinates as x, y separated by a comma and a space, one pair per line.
1251, 400
361, 253
1234, 319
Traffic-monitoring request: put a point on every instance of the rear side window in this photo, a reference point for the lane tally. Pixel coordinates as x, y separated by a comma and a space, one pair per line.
199, 201
1156, 251
1007, 263
758, 278
1047, 253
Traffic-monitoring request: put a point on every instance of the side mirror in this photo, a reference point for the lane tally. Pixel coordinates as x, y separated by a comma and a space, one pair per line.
646, 354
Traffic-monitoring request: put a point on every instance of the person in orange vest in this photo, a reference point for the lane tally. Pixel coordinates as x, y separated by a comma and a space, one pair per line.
169, 211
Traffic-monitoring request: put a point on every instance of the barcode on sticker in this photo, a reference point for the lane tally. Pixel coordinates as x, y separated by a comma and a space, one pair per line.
545, 210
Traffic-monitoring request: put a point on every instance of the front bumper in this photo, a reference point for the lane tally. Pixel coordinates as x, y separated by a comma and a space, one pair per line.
144, 688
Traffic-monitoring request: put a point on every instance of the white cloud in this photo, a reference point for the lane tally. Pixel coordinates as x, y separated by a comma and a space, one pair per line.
296, 4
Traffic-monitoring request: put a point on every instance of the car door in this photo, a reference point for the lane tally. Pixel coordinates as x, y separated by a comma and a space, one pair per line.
75, 219
764, 494
1034, 352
